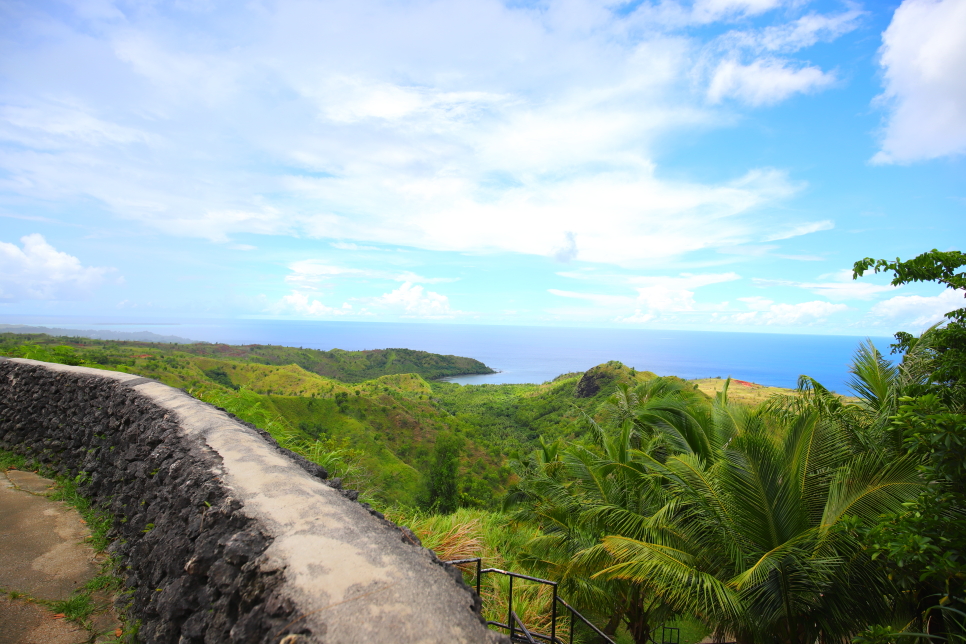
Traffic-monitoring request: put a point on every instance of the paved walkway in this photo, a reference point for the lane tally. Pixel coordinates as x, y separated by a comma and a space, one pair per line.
43, 557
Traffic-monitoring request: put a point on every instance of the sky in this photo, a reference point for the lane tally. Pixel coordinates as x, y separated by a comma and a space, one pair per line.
667, 164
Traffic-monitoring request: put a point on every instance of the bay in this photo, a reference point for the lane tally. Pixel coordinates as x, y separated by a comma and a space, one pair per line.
527, 354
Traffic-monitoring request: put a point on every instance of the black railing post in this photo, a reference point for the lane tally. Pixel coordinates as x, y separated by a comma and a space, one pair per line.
514, 624
553, 617
509, 618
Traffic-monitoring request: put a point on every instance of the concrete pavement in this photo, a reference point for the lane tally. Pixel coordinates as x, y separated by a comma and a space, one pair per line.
43, 557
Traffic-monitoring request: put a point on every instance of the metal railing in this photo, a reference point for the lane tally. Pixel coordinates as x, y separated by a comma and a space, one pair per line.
514, 625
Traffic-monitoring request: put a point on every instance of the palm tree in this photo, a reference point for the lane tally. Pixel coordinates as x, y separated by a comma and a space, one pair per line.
877, 384
575, 501
589, 490
746, 518
761, 539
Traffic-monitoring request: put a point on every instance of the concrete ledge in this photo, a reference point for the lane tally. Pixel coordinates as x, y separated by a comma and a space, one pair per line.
228, 538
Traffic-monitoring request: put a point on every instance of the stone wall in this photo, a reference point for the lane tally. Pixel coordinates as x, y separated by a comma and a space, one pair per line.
223, 535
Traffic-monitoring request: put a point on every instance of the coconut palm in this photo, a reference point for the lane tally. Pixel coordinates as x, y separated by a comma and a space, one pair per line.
575, 502
877, 385
602, 486
760, 540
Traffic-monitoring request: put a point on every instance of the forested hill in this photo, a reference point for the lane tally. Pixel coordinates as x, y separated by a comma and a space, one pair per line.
381, 432
345, 366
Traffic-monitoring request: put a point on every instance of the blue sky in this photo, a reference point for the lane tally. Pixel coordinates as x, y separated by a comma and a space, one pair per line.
712, 165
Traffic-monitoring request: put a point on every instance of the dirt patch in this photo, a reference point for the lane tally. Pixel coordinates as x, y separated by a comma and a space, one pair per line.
23, 622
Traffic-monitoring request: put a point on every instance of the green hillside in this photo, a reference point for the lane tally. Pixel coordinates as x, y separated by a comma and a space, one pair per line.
380, 432
508, 418
346, 366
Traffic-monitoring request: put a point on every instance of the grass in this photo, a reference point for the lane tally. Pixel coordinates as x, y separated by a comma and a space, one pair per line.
691, 630
469, 533
77, 607
740, 391
501, 542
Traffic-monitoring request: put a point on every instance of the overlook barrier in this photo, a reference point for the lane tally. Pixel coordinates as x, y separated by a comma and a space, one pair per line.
223, 536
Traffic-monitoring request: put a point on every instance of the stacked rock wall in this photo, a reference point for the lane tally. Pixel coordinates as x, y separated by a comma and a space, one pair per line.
224, 536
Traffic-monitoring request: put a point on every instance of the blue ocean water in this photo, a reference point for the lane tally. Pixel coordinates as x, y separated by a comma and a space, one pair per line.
537, 354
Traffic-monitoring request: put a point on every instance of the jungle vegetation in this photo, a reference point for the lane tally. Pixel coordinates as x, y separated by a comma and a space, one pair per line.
804, 517
380, 435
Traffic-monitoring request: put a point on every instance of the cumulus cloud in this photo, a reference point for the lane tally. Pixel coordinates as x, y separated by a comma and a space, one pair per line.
802, 314
38, 271
638, 317
923, 56
664, 298
916, 312
765, 81
413, 301
656, 294
300, 304
598, 299
307, 273
375, 121
756, 302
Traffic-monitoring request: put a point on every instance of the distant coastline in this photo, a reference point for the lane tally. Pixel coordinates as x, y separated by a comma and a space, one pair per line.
537, 354
101, 334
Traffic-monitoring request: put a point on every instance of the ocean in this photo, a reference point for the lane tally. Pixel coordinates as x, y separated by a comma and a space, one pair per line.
525, 354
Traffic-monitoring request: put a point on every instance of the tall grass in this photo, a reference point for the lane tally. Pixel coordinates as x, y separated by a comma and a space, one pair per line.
501, 542
336, 457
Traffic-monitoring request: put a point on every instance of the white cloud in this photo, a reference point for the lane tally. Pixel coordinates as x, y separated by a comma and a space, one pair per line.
923, 56
848, 290
705, 11
60, 125
656, 294
637, 318
802, 314
916, 312
376, 121
802, 229
413, 301
765, 81
598, 299
684, 280
219, 225
660, 294
795, 35
839, 286
307, 273
757, 303
663, 298
350, 246
568, 251
38, 271
301, 304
